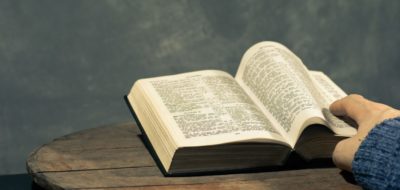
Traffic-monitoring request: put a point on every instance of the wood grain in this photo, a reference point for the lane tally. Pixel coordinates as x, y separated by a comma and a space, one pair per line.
114, 157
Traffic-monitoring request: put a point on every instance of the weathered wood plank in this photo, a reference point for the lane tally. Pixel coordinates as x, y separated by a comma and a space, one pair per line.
90, 150
119, 136
96, 143
51, 160
114, 157
266, 184
150, 176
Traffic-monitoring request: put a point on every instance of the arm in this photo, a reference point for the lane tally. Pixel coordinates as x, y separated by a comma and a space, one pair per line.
373, 152
376, 163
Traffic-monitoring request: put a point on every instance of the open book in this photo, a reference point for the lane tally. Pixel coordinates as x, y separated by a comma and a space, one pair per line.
210, 121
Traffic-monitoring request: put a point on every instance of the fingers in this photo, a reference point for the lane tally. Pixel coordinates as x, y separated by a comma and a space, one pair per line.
353, 106
340, 156
362, 110
344, 152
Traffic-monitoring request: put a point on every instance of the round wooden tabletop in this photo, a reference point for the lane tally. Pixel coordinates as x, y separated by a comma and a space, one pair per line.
114, 157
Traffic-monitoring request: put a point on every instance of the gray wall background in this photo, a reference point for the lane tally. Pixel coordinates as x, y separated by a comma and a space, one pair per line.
65, 65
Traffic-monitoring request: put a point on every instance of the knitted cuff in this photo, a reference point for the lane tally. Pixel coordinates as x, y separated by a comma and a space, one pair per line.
376, 164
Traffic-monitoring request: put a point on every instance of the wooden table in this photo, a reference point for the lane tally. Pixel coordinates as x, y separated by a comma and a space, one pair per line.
114, 157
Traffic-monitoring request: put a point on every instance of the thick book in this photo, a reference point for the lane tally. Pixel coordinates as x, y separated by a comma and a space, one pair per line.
210, 121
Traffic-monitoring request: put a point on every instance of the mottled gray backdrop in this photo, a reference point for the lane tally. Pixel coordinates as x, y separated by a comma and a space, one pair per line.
65, 65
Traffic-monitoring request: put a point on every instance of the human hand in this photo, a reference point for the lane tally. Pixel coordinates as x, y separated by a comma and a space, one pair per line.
367, 114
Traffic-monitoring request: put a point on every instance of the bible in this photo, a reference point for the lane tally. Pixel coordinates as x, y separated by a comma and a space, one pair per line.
210, 121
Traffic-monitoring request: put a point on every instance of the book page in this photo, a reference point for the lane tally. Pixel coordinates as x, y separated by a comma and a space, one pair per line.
331, 92
329, 89
279, 82
207, 107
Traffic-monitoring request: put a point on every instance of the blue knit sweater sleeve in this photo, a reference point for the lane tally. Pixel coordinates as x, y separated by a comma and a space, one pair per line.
376, 164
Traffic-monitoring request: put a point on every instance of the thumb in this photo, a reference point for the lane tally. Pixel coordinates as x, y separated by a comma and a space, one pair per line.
344, 152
